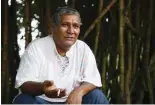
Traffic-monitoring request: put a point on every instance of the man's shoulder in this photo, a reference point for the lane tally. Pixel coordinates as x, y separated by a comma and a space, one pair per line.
39, 43
41, 40
81, 45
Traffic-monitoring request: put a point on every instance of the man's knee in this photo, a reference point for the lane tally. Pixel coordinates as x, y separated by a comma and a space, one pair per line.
23, 99
96, 96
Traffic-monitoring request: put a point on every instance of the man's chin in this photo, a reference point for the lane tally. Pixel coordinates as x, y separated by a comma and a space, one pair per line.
68, 44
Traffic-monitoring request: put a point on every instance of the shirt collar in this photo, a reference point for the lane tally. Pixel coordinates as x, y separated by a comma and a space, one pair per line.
68, 53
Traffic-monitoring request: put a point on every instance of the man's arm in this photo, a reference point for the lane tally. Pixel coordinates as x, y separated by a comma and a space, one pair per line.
76, 95
84, 88
38, 88
32, 88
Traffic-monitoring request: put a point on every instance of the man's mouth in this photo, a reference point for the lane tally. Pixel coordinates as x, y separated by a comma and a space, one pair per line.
69, 38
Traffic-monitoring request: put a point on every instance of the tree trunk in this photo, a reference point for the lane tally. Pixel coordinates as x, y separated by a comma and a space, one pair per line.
5, 65
103, 75
48, 16
129, 70
136, 41
28, 22
104, 11
146, 59
121, 46
136, 55
129, 60
13, 48
98, 27
71, 3
43, 18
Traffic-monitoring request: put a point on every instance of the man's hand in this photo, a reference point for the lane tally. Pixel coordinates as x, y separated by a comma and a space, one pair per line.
77, 94
51, 91
75, 97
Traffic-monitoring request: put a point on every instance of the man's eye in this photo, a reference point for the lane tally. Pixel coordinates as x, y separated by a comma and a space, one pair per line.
64, 25
76, 26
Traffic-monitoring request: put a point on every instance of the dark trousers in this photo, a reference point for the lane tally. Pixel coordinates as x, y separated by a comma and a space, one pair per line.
96, 96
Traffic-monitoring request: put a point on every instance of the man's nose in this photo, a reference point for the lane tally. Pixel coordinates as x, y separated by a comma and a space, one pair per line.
70, 29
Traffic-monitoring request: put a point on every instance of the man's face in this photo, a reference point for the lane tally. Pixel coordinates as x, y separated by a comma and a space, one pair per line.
67, 32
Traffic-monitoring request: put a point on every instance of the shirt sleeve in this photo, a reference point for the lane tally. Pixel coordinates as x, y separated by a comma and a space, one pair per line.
29, 66
90, 70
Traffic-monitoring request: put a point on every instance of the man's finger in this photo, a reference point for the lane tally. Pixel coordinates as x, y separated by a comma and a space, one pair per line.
63, 92
58, 92
48, 83
51, 83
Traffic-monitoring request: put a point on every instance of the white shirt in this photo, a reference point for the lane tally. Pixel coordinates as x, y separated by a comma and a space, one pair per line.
41, 62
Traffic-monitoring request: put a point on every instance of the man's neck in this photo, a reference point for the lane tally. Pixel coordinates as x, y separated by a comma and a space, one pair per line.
61, 51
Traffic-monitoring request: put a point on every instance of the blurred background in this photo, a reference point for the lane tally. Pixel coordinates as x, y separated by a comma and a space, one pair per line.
121, 34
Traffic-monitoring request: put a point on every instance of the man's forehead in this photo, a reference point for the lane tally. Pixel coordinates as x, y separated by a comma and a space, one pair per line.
70, 17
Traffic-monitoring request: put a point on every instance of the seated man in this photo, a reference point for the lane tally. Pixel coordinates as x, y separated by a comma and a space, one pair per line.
59, 68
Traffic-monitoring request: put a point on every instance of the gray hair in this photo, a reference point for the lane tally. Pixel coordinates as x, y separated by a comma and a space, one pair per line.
61, 11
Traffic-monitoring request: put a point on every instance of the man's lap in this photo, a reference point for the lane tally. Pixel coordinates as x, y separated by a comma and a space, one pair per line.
96, 96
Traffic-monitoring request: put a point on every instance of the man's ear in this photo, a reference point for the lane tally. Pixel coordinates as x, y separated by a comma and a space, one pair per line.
50, 29
53, 29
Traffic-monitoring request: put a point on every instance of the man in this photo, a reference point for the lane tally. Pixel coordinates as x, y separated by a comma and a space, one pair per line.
59, 68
